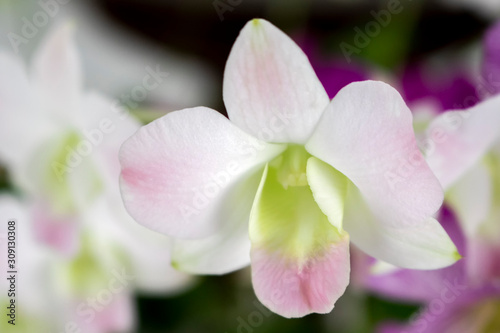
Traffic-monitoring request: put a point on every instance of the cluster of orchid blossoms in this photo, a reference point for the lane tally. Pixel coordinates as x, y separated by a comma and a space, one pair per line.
292, 177
78, 250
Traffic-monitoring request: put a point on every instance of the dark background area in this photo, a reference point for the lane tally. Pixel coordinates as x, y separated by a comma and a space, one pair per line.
194, 27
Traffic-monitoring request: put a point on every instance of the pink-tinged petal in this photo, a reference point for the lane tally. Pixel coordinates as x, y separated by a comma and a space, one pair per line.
423, 245
270, 88
459, 139
300, 262
483, 263
57, 73
179, 171
425, 284
57, 231
119, 316
295, 289
116, 316
366, 133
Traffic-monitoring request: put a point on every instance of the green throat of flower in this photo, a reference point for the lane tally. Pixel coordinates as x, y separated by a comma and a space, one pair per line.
291, 166
90, 271
285, 217
69, 177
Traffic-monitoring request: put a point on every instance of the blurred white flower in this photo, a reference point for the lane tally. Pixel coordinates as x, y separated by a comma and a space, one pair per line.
61, 149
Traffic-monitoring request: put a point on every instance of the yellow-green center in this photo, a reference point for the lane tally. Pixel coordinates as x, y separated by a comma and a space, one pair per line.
285, 217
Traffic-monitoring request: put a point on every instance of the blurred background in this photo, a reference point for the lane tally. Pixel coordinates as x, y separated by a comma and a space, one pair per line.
436, 43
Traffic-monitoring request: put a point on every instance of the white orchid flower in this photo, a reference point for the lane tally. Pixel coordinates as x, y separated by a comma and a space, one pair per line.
287, 180
57, 142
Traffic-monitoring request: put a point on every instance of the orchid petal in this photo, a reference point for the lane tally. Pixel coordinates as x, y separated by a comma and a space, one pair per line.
425, 284
463, 310
471, 198
67, 178
460, 138
371, 141
21, 119
14, 86
116, 316
57, 73
56, 230
424, 245
105, 128
228, 249
179, 171
329, 188
482, 262
270, 88
300, 262
144, 250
